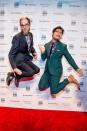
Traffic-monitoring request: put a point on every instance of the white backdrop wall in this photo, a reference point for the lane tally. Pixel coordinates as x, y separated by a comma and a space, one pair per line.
45, 15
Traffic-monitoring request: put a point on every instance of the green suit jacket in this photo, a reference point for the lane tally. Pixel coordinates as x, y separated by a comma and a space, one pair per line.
54, 63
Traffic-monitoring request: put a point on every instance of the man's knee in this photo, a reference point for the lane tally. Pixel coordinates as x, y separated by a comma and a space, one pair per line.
37, 70
31, 73
42, 86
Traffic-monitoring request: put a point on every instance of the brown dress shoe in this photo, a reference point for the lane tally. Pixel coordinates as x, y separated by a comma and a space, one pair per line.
53, 95
57, 94
73, 80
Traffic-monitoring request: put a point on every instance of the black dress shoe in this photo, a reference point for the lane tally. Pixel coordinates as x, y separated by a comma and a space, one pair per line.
9, 78
16, 82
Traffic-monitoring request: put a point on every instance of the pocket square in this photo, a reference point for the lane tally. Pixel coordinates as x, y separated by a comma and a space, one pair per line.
58, 50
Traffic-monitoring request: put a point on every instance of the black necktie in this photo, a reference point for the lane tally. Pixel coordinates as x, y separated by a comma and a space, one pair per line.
50, 52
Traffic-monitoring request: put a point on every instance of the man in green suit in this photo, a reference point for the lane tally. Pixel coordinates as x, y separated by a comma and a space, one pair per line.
53, 51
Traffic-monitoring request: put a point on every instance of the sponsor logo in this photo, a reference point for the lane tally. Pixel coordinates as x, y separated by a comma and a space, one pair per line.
74, 6
59, 4
2, 12
73, 22
72, 30
15, 28
28, 88
69, 69
67, 90
2, 58
82, 83
84, 23
1, 36
44, 21
83, 62
16, 4
40, 102
31, 4
44, 13
2, 100
16, 13
51, 103
43, 37
15, 94
67, 97
83, 47
44, 4
2, 79
71, 46
27, 102
79, 104
85, 39
14, 101
27, 95
59, 14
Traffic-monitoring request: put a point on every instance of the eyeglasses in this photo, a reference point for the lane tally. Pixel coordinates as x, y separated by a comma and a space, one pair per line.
24, 25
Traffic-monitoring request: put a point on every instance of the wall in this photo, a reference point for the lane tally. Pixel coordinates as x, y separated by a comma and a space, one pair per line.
45, 15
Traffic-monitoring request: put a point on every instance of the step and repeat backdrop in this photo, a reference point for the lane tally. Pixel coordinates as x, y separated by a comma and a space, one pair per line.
45, 15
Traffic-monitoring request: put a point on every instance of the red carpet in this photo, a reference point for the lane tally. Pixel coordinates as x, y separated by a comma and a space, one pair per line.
12, 119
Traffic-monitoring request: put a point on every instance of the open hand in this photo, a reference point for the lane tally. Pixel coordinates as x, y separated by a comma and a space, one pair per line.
17, 71
42, 48
80, 72
35, 56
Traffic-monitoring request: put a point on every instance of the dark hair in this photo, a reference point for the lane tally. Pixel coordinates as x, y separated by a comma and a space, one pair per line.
58, 27
25, 18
